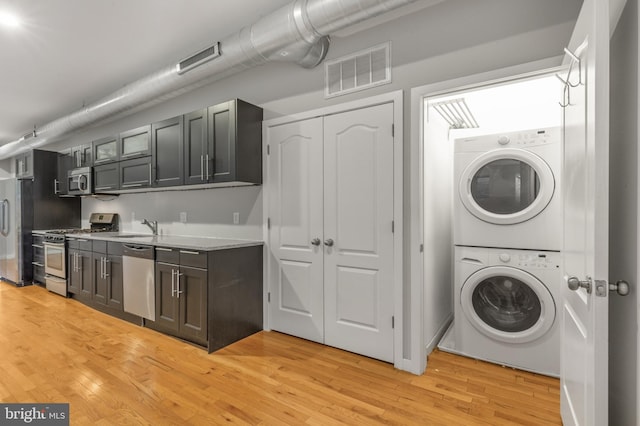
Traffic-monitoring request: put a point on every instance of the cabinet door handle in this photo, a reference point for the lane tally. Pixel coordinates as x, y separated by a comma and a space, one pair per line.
106, 263
178, 291
131, 185
163, 249
102, 188
202, 167
173, 282
56, 186
189, 252
207, 166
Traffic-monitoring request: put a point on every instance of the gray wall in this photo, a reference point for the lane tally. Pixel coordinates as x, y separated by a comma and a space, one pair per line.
452, 39
623, 217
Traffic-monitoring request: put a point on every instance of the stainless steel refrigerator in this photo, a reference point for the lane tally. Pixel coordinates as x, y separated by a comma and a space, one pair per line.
10, 228
30, 203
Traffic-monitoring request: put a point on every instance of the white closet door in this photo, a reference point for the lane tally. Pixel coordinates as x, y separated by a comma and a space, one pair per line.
358, 215
295, 210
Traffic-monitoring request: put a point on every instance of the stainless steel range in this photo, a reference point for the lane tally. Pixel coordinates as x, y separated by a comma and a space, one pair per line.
55, 253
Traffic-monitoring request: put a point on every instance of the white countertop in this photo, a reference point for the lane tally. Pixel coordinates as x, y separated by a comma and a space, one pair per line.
177, 241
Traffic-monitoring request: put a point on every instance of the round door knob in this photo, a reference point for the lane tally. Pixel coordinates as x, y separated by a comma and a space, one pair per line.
621, 287
328, 242
574, 284
315, 242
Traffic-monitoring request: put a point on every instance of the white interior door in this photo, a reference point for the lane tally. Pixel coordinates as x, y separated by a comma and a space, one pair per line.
358, 235
295, 209
584, 347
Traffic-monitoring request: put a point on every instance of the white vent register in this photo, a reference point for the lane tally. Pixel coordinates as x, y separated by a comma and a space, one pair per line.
358, 71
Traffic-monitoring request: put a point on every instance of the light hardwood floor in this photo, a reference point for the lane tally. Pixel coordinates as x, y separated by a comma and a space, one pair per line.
54, 349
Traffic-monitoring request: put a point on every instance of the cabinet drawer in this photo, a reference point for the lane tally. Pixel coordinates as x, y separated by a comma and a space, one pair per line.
194, 258
100, 246
114, 248
167, 255
80, 244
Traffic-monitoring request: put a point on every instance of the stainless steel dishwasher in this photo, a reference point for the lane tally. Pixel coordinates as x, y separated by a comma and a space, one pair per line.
139, 292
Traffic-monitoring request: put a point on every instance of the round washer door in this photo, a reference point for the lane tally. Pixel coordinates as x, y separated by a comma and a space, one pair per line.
506, 186
507, 304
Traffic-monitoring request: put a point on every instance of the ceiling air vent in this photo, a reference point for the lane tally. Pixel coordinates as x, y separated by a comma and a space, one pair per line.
198, 59
358, 71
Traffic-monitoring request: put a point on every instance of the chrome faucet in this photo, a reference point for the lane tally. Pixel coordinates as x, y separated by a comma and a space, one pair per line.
153, 225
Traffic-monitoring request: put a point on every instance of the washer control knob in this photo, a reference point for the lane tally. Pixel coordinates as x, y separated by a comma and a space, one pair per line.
504, 257
503, 140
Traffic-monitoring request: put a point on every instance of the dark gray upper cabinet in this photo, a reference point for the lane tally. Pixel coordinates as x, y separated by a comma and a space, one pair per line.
235, 137
106, 177
195, 146
135, 142
65, 163
227, 147
135, 173
24, 165
105, 150
82, 156
167, 152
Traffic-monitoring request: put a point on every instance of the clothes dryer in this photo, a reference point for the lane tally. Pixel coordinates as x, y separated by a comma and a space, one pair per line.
506, 307
509, 190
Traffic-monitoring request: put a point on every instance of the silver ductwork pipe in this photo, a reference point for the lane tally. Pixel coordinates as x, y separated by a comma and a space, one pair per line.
298, 32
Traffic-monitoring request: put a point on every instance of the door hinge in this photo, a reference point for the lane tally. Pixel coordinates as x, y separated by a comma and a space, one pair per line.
268, 223
268, 149
393, 130
393, 226
269, 297
393, 322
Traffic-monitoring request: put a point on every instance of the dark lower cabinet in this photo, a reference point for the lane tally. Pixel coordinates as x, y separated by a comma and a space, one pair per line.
181, 301
107, 275
235, 295
79, 274
167, 305
94, 274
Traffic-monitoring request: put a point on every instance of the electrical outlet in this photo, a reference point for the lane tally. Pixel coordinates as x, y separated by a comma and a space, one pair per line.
183, 217
236, 218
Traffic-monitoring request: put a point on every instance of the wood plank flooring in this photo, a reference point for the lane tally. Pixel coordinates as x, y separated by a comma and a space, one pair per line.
111, 372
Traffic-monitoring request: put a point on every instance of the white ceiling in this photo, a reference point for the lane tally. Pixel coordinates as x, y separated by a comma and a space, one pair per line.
70, 52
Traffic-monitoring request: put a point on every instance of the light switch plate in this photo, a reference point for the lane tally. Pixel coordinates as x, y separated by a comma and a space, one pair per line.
236, 218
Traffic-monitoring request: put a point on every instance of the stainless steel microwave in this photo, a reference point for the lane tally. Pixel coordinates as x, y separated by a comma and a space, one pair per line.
79, 181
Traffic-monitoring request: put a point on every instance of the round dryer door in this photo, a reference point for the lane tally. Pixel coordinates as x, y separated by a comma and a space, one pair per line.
508, 304
506, 186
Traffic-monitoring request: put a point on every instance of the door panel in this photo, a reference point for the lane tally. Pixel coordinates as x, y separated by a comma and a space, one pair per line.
295, 211
358, 216
584, 348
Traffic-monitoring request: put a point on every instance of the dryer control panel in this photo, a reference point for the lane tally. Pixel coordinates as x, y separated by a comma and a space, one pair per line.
533, 260
521, 139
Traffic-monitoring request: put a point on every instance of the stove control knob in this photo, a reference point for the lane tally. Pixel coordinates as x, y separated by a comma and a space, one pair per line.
504, 257
503, 140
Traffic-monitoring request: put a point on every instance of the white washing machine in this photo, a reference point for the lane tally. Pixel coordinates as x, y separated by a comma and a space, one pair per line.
506, 307
508, 190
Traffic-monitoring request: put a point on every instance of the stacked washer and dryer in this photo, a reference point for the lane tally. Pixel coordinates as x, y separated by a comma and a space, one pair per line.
507, 233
